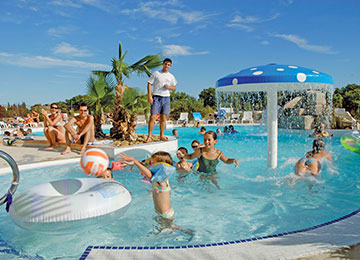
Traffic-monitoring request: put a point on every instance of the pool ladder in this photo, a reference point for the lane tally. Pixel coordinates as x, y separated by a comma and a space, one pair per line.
15, 181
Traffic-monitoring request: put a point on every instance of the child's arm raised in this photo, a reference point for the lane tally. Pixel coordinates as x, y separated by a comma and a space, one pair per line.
228, 160
144, 171
193, 155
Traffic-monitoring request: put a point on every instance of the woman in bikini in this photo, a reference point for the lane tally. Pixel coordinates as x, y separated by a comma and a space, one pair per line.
209, 156
54, 130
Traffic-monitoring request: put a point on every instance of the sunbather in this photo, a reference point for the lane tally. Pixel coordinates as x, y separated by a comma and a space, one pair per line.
85, 130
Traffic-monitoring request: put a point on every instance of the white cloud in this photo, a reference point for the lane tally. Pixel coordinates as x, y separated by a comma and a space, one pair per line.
190, 17
168, 11
244, 27
66, 49
104, 5
119, 31
158, 39
245, 22
21, 60
179, 50
65, 3
247, 19
303, 43
61, 31
264, 42
286, 2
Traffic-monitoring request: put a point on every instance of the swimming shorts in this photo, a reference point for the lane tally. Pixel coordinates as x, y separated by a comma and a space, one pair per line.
307, 161
158, 188
161, 105
169, 214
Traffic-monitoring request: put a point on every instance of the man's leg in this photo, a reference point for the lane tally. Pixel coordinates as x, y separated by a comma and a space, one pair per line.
162, 128
150, 128
86, 141
68, 142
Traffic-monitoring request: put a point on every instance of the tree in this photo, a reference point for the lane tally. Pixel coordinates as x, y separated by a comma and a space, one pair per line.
73, 104
181, 102
208, 97
100, 95
348, 98
135, 101
122, 121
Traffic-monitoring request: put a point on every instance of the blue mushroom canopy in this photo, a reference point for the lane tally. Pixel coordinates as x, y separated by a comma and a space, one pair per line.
275, 73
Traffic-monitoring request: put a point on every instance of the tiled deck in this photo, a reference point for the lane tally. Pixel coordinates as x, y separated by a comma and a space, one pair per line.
302, 243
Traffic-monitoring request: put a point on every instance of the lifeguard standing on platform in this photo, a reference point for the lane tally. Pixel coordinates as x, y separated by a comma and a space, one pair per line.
163, 81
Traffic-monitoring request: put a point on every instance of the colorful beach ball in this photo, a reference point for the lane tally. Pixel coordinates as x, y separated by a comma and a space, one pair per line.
94, 162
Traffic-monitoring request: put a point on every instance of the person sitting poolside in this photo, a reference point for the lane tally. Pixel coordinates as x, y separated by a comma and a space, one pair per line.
85, 130
54, 130
35, 116
28, 132
28, 120
20, 132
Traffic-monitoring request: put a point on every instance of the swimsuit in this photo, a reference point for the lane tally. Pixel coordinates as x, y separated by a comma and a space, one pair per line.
158, 188
207, 165
169, 214
307, 160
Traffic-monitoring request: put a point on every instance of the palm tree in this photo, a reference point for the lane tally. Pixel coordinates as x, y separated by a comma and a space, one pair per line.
123, 123
135, 102
100, 96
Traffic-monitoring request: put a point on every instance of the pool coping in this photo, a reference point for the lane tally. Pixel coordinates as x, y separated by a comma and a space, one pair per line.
307, 242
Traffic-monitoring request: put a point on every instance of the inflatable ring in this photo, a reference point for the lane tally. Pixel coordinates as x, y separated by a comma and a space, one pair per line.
351, 143
16, 176
66, 206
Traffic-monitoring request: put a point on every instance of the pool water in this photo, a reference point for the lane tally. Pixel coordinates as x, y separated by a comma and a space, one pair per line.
252, 200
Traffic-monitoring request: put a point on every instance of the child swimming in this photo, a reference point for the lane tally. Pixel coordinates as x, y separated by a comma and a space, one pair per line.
159, 172
311, 161
183, 166
209, 156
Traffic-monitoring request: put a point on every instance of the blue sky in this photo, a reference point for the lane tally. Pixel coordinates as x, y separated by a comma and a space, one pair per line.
48, 48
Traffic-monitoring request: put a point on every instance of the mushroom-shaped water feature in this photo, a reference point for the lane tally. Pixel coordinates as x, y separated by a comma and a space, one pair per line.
272, 78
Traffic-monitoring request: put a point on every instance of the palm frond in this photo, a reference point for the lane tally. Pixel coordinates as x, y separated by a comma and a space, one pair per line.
120, 50
101, 73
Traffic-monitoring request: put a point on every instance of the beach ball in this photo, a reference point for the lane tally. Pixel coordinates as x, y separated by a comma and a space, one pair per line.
94, 162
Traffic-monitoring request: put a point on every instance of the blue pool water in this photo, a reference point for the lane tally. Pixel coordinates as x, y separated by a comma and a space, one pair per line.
252, 200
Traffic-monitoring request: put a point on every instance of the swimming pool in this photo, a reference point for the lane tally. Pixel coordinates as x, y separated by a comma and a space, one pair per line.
253, 200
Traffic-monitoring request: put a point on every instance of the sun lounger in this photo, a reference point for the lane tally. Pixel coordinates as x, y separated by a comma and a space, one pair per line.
140, 120
183, 118
248, 116
198, 118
